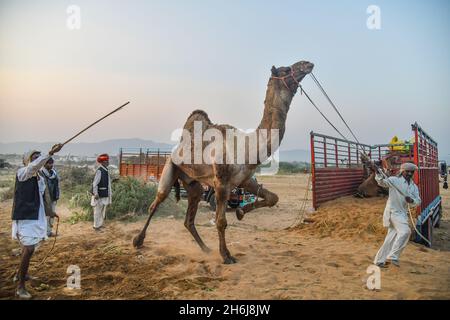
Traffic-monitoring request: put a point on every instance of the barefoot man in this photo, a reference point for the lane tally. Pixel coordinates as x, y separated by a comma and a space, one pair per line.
395, 216
29, 224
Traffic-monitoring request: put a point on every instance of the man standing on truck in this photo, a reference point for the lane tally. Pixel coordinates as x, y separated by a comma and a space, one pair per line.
101, 191
403, 192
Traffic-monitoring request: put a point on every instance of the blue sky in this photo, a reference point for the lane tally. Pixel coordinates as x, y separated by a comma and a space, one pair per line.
170, 57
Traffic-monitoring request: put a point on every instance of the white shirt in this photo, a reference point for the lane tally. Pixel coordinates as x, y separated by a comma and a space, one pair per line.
396, 203
32, 228
97, 178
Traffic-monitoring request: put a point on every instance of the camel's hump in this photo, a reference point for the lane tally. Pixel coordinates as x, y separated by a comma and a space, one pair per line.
199, 115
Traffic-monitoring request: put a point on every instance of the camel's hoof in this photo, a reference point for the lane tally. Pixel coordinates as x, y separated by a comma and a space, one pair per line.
229, 260
240, 214
138, 242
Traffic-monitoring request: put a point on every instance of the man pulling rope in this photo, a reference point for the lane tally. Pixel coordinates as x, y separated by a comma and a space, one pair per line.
403, 194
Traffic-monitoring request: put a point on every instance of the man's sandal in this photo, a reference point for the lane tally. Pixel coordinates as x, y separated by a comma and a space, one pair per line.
23, 294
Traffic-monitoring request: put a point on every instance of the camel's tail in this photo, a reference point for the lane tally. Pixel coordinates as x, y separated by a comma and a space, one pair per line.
177, 190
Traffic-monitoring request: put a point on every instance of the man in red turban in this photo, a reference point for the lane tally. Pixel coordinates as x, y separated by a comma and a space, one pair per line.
103, 158
101, 191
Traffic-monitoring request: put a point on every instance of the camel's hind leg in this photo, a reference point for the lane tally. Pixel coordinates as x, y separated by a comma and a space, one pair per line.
195, 194
269, 198
168, 178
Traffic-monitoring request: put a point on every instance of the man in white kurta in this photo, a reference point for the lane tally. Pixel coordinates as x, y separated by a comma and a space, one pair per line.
100, 199
29, 229
31, 232
52, 182
395, 216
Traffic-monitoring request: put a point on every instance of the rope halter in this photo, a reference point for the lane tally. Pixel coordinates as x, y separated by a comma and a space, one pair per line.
283, 79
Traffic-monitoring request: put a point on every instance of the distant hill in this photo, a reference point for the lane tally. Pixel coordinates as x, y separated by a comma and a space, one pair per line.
112, 147
84, 148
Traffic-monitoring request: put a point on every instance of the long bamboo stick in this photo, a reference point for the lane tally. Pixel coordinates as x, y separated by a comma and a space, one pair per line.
91, 125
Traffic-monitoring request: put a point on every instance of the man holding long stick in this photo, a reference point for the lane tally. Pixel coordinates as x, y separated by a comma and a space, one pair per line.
29, 224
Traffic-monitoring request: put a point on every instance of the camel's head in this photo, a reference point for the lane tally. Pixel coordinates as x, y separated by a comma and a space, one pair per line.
291, 76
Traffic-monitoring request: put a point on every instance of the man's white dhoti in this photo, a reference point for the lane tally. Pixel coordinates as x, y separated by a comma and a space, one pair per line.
395, 216
31, 232
100, 204
396, 239
99, 210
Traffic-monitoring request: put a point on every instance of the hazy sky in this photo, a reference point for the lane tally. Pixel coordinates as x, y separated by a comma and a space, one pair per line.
170, 57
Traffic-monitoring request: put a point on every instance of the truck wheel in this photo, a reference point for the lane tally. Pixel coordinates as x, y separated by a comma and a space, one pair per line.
212, 203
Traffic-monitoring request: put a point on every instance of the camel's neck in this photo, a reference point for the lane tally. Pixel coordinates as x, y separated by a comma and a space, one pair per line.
276, 107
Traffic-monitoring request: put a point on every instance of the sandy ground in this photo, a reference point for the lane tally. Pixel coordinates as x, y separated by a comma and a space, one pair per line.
273, 262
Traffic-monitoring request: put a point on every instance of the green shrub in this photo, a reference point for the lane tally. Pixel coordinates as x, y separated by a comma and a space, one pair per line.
131, 197
293, 167
73, 178
82, 200
79, 216
6, 188
6, 183
289, 167
7, 194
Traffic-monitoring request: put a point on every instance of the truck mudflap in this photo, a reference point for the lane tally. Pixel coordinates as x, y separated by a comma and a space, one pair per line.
427, 220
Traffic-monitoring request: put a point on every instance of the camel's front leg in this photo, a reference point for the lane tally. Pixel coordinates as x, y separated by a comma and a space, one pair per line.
168, 178
222, 195
269, 198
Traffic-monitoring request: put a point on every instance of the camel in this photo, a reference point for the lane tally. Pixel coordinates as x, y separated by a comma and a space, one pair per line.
223, 177
369, 187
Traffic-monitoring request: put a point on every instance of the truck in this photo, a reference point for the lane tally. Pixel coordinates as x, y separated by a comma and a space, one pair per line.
337, 171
